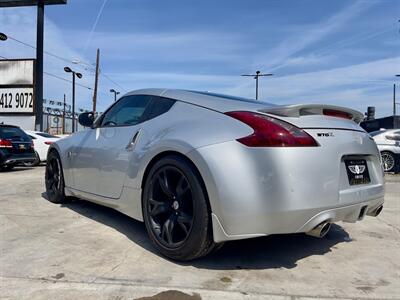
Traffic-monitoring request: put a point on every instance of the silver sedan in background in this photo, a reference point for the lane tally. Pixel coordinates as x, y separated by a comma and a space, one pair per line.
201, 168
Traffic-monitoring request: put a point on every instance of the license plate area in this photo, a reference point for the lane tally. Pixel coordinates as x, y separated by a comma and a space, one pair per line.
357, 171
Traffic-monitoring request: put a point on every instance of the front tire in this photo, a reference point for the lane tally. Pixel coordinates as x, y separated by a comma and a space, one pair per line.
54, 179
176, 211
388, 161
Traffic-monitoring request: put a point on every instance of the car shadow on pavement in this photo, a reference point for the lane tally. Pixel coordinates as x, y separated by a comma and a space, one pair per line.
16, 169
275, 251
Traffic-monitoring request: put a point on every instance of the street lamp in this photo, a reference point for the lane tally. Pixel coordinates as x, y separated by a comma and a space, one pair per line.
115, 94
258, 74
3, 36
79, 75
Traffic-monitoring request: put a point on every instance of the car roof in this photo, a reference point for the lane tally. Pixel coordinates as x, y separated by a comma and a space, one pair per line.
7, 125
214, 101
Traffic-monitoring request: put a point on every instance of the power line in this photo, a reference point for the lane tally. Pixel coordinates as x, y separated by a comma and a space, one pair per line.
67, 80
58, 77
84, 64
46, 52
107, 77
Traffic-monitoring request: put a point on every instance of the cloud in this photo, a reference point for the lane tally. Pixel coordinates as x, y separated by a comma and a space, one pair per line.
304, 37
172, 47
20, 23
193, 59
357, 86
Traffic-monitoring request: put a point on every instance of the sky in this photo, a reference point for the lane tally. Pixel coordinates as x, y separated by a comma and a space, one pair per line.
338, 52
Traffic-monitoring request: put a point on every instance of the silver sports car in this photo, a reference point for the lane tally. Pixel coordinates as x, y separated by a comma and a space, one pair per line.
201, 168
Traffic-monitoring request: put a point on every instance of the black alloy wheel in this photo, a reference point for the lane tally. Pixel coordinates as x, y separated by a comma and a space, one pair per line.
54, 179
176, 210
170, 206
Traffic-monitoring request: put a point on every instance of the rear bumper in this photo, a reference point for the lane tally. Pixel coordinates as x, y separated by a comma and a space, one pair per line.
12, 160
349, 213
258, 191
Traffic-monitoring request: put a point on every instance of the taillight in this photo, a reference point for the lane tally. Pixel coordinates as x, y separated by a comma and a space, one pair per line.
48, 143
271, 132
337, 114
5, 143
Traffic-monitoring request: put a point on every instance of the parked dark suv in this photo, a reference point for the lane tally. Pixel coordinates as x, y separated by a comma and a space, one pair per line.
15, 147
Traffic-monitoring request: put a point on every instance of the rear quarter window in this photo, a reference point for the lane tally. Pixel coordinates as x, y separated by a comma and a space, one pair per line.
159, 106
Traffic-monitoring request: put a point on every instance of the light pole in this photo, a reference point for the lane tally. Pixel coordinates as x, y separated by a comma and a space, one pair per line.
79, 75
115, 94
258, 74
394, 103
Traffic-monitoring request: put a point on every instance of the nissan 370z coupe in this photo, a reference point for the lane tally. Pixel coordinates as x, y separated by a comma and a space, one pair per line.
201, 168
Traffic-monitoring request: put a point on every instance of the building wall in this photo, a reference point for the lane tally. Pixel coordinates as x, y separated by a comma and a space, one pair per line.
381, 123
25, 122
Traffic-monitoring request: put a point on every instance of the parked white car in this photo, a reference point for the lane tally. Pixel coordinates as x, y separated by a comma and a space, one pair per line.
41, 142
388, 142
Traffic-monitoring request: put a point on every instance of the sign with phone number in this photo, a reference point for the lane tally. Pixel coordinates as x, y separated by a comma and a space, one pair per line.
16, 100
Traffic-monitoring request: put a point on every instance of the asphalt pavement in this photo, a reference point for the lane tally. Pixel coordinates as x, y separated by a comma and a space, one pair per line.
82, 250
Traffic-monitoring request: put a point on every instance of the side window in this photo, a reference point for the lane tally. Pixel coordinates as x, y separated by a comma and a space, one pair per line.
128, 111
160, 106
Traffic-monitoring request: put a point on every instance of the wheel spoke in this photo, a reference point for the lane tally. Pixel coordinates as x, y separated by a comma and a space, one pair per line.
157, 207
50, 170
164, 184
182, 187
184, 221
167, 229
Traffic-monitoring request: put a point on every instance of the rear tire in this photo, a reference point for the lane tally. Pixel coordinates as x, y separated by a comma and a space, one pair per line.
35, 163
388, 161
176, 211
54, 179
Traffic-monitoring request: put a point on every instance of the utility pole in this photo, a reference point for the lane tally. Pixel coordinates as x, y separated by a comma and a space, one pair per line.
96, 80
73, 102
258, 74
63, 126
39, 67
394, 99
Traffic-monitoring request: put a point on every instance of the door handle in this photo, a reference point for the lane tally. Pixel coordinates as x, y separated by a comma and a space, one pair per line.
133, 141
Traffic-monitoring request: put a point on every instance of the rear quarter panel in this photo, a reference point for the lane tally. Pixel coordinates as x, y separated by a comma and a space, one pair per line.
183, 128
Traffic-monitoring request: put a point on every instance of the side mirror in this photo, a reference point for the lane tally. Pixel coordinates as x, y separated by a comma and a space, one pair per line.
86, 119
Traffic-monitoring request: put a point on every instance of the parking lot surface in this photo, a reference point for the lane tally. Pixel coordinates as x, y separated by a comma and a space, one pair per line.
81, 250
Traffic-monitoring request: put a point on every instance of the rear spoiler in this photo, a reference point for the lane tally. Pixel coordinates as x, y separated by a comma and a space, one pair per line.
298, 110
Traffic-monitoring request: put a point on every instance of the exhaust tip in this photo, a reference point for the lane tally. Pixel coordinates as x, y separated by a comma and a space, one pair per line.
325, 229
320, 230
378, 211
